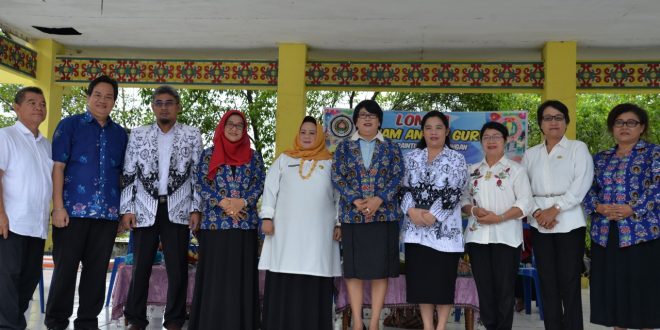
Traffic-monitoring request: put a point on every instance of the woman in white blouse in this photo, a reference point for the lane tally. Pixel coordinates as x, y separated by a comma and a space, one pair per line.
560, 172
299, 253
497, 196
433, 182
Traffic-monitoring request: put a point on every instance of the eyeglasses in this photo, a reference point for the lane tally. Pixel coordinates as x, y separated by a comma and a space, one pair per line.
167, 103
628, 123
370, 116
492, 137
230, 126
555, 118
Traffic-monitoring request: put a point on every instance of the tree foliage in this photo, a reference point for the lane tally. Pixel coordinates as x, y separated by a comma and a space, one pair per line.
7, 114
592, 111
204, 108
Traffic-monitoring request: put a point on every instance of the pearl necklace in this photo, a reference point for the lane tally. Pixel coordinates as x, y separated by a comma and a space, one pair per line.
300, 169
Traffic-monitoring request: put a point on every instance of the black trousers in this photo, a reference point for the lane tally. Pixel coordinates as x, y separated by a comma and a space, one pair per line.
89, 241
494, 267
175, 239
20, 270
559, 260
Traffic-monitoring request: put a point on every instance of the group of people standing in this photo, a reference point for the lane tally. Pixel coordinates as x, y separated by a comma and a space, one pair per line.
160, 183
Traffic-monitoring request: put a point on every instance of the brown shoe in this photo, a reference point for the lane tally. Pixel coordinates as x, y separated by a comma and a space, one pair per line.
134, 327
172, 327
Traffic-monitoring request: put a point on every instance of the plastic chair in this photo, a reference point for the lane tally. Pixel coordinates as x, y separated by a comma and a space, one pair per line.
457, 314
115, 267
530, 274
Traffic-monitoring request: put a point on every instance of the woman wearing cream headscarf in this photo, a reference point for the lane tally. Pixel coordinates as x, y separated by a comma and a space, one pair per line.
298, 217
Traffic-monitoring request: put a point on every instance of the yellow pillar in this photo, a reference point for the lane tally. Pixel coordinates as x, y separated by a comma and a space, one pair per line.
559, 62
291, 98
47, 49
9, 77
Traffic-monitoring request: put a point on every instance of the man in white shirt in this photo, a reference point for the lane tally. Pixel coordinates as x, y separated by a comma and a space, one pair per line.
159, 203
25, 193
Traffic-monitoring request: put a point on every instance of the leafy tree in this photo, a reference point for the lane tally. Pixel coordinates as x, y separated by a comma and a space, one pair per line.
592, 111
203, 109
7, 114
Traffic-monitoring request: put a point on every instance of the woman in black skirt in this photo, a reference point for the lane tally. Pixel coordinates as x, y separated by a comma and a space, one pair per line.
623, 205
434, 179
367, 170
497, 198
230, 180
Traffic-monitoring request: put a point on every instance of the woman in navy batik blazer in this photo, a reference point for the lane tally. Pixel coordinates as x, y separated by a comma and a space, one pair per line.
367, 170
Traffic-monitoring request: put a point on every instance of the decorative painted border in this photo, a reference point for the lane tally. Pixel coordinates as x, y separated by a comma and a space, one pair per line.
624, 75
18, 57
168, 71
618, 75
488, 75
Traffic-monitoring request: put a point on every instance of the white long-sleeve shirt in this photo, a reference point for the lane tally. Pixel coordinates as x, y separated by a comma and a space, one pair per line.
561, 177
304, 213
497, 188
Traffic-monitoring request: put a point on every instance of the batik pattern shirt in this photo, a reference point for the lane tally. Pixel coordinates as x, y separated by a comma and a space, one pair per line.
143, 171
244, 181
633, 180
354, 181
437, 186
94, 158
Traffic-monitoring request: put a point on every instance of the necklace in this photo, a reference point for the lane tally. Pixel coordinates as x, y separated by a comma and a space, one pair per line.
300, 169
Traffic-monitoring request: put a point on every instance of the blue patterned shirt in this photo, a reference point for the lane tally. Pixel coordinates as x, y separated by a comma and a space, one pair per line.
245, 181
354, 180
632, 180
94, 158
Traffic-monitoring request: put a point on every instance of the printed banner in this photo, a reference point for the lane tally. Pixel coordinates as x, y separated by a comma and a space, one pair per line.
404, 127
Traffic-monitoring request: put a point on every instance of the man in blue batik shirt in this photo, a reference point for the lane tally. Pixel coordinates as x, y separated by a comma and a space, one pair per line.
88, 151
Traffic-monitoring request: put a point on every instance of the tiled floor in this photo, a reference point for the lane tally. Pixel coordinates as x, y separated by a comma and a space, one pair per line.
521, 320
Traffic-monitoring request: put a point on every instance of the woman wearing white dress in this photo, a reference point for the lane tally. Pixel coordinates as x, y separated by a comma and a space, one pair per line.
497, 197
300, 252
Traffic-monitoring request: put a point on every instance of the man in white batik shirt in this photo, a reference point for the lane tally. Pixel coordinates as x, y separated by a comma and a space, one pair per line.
159, 204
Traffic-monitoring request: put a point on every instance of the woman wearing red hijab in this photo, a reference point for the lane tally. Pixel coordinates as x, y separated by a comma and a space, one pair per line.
230, 179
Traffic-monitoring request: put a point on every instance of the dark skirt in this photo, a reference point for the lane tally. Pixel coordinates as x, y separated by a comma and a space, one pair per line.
226, 292
430, 275
624, 283
370, 250
297, 302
